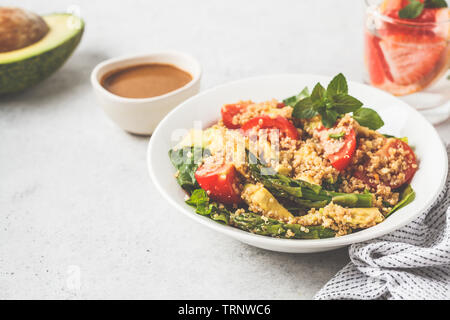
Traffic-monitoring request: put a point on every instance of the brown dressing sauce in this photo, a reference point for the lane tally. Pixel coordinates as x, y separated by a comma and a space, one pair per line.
145, 80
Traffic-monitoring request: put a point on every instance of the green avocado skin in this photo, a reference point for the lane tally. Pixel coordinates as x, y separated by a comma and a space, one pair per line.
20, 75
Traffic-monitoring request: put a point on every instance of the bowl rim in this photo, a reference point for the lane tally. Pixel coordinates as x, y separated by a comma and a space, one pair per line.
95, 82
294, 243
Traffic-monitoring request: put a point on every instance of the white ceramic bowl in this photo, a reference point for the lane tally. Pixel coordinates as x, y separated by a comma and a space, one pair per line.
141, 116
400, 120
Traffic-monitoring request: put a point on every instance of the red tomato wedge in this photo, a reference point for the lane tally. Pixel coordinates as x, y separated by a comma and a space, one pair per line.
229, 111
345, 146
408, 172
219, 181
341, 159
287, 129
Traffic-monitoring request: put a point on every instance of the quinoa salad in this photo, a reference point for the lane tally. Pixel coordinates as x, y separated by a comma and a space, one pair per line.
310, 166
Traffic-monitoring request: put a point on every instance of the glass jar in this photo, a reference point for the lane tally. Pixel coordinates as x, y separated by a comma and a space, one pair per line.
407, 57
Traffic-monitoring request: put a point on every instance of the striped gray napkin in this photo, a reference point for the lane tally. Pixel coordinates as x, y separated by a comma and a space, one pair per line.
410, 263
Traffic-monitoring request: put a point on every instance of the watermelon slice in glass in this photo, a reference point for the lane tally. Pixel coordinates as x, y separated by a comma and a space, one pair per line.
404, 56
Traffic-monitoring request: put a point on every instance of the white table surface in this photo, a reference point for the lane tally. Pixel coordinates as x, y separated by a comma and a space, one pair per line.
79, 217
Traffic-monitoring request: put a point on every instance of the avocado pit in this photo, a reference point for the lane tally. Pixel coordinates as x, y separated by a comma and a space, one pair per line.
20, 28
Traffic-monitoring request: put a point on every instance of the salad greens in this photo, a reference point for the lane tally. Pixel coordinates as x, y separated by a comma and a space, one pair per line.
186, 161
291, 101
200, 201
254, 223
406, 197
332, 103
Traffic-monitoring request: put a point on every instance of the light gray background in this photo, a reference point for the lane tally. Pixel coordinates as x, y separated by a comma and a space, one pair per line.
79, 217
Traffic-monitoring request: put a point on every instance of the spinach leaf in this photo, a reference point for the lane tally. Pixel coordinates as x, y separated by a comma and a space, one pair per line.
406, 197
186, 160
200, 200
291, 101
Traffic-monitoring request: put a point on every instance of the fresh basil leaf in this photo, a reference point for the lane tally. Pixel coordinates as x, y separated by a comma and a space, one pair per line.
336, 135
291, 101
337, 86
319, 93
435, 4
406, 197
368, 118
344, 103
412, 10
308, 113
332, 102
329, 117
304, 109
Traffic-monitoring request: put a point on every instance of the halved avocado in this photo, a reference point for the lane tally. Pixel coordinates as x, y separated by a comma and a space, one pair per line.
22, 68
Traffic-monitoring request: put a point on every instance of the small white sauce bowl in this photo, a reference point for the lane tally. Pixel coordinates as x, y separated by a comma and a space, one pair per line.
142, 115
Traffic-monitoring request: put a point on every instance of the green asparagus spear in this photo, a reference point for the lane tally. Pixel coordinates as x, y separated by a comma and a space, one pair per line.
252, 222
302, 192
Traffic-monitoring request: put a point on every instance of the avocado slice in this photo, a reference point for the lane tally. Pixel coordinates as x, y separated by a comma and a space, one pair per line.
22, 68
257, 195
363, 217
